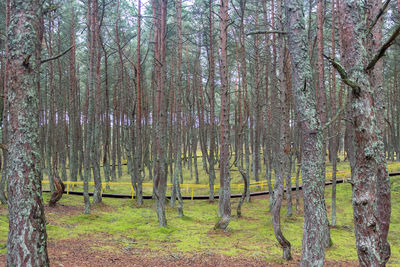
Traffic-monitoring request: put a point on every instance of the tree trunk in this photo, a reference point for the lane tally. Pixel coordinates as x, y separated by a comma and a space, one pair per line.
4, 117
225, 180
27, 237
257, 107
282, 167
315, 216
370, 179
96, 142
160, 173
243, 70
138, 159
211, 157
57, 194
72, 108
335, 128
178, 112
321, 95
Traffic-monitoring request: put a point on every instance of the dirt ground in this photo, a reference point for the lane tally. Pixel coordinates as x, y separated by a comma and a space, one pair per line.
88, 252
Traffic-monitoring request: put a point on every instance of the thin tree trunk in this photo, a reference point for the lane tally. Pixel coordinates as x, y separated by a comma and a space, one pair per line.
321, 95
243, 68
335, 129
257, 107
51, 121
3, 198
95, 149
211, 157
137, 181
160, 179
282, 167
106, 123
72, 108
225, 180
178, 112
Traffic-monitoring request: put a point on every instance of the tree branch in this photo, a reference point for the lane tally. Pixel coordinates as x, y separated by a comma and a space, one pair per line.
340, 111
57, 56
50, 8
380, 13
382, 50
147, 52
265, 32
343, 74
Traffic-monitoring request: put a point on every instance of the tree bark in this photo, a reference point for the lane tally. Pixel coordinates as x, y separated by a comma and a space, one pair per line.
27, 237
160, 179
315, 216
178, 112
243, 70
3, 198
137, 181
225, 180
335, 128
212, 131
282, 168
370, 180
96, 142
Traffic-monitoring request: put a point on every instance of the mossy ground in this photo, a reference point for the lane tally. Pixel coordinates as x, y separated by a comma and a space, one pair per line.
121, 222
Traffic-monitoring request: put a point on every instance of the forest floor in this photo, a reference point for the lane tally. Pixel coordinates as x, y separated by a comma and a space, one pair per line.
119, 233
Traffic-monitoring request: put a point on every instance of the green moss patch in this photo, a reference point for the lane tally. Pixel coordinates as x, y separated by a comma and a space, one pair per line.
121, 222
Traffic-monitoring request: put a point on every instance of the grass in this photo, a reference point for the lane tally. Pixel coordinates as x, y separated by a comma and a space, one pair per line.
121, 222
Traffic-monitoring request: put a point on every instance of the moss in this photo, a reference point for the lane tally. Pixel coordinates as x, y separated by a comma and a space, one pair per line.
119, 221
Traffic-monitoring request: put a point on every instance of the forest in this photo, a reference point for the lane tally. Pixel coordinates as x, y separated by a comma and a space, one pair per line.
199, 133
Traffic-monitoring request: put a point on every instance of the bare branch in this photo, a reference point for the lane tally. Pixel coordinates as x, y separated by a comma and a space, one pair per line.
380, 13
265, 32
50, 8
340, 111
382, 50
147, 52
57, 56
343, 74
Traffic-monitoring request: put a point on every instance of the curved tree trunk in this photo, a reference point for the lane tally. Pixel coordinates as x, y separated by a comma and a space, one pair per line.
59, 190
245, 188
276, 219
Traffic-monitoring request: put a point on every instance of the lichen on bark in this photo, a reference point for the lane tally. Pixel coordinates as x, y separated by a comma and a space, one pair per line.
316, 225
371, 184
27, 238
